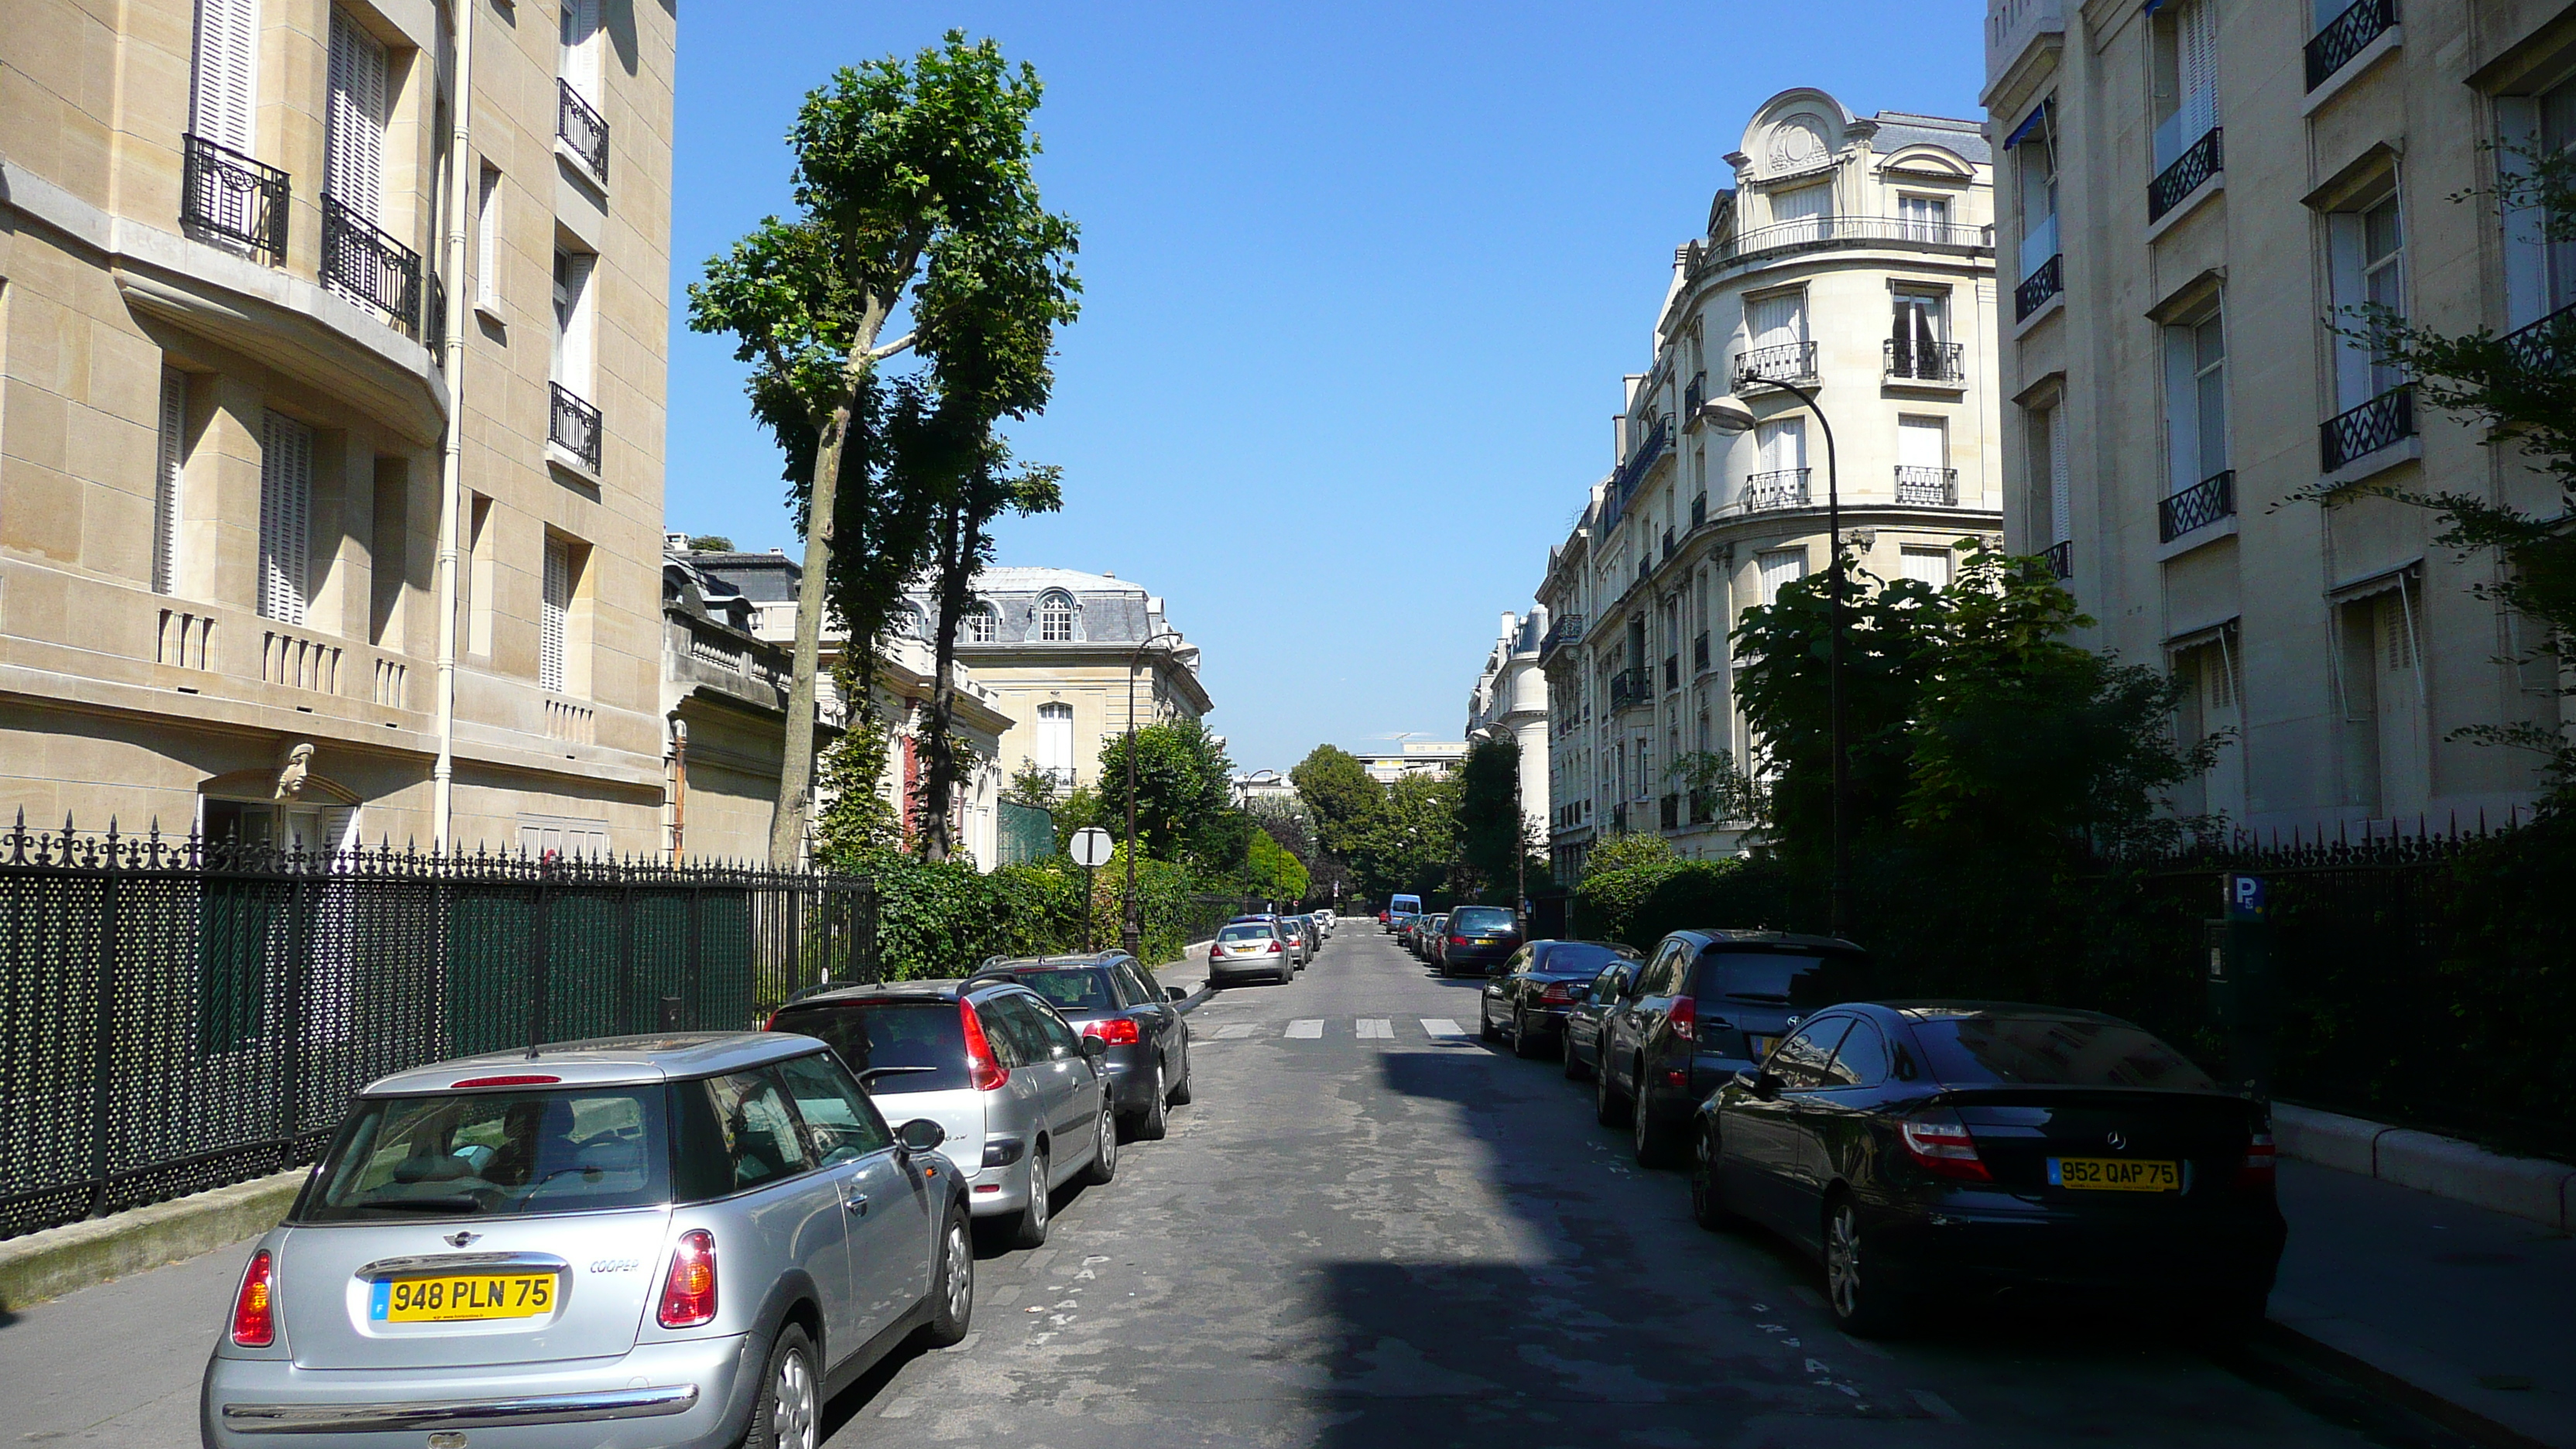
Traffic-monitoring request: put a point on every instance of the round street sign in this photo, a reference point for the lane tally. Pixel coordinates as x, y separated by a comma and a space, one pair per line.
1091, 847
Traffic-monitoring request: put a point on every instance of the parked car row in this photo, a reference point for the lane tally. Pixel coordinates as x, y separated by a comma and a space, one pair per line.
1922, 1151
711, 1231
1267, 947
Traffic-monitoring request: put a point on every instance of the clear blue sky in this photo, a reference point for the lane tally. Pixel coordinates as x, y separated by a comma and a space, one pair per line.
1360, 284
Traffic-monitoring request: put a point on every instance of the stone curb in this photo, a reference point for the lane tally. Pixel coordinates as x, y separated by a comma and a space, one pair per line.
2535, 1188
57, 1261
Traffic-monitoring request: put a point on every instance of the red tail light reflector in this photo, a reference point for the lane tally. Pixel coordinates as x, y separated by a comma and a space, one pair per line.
1684, 1017
984, 1070
523, 1079
1119, 1031
1940, 1144
1457, 940
2262, 1162
255, 1306
689, 1289
1560, 994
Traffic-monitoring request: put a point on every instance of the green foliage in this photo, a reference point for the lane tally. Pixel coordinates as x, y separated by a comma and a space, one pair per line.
1270, 872
1033, 786
1638, 902
1410, 842
1626, 852
1285, 821
941, 918
1494, 839
710, 543
1184, 796
1340, 796
857, 819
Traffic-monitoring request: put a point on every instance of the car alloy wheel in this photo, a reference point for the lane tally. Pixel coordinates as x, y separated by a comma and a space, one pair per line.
793, 1402
1153, 1122
1859, 1308
1707, 1194
1522, 1046
954, 1286
1032, 1228
1104, 1149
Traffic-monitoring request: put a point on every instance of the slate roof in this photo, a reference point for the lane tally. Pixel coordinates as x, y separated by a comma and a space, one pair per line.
1106, 610
1900, 129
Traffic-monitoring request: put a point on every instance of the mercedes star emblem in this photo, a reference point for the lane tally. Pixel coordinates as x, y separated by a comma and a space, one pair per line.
458, 1240
2118, 1142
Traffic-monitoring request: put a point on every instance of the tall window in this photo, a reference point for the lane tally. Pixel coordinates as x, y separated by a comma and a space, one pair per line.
1924, 218
487, 239
2196, 401
982, 625
1778, 569
1926, 565
2052, 509
1923, 461
577, 60
165, 480
2034, 157
2540, 274
1055, 742
285, 517
354, 143
2186, 77
1777, 320
1806, 210
554, 618
2367, 254
573, 329
1915, 332
1055, 618
223, 104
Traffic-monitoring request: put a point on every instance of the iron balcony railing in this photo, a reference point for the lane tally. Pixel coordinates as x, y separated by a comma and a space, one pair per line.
2198, 162
1779, 488
1699, 510
1850, 231
2061, 559
1703, 807
1629, 688
574, 425
1668, 545
2545, 346
1669, 812
363, 263
227, 195
2346, 36
1780, 362
1925, 487
1640, 458
1566, 630
433, 321
581, 128
1694, 394
2197, 506
2382, 422
1925, 361
1699, 652
2045, 282
1645, 566
1672, 672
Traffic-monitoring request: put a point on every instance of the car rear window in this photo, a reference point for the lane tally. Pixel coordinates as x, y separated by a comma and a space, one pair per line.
1971, 1051
1487, 919
495, 1154
1082, 989
1781, 978
1245, 933
1573, 959
921, 1037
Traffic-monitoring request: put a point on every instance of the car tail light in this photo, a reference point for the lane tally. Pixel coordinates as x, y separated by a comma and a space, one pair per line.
689, 1289
2262, 1161
1684, 1017
1940, 1144
255, 1307
1457, 940
984, 1071
1119, 1031
1560, 994
519, 1079
1275, 947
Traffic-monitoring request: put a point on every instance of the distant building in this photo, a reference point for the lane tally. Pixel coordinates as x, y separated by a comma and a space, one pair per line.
724, 696
1412, 757
1510, 702
1263, 785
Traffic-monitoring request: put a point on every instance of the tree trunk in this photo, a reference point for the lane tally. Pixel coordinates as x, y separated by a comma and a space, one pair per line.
957, 557
796, 769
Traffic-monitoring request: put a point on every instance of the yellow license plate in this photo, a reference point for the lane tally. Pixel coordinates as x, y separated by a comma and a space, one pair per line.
2114, 1174
463, 1298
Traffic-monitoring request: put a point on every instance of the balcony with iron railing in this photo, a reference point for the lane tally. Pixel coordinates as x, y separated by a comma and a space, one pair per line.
1911, 361
573, 425
2061, 559
1630, 688
2197, 507
362, 262
1640, 458
1668, 812
2346, 36
1779, 488
2382, 422
227, 197
1668, 545
2547, 346
580, 128
1672, 672
1699, 652
1925, 487
1694, 394
1699, 510
2186, 173
1849, 231
1779, 362
1567, 629
2044, 282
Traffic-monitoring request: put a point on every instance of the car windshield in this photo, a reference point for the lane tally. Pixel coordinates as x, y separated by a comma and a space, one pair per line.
1987, 1050
1245, 933
1481, 920
1779, 978
1081, 989
1574, 958
923, 1039
494, 1154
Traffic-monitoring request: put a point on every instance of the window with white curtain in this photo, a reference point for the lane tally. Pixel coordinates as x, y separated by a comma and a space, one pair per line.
2367, 266
577, 58
167, 468
2186, 77
573, 322
1777, 320
1924, 218
285, 517
1778, 569
1055, 742
1926, 565
2539, 274
1805, 210
554, 619
223, 106
2196, 402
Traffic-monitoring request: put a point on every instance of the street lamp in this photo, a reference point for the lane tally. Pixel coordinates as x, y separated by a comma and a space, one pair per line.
1131, 932
1731, 414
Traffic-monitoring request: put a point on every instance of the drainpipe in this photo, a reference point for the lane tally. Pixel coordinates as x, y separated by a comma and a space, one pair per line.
451, 471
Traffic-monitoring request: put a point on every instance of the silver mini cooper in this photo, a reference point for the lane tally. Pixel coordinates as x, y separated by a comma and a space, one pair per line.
643, 1241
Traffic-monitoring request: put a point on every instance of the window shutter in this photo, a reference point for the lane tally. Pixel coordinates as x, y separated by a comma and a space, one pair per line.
2198, 49
285, 516
165, 480
1921, 443
2526, 247
2061, 500
577, 60
573, 322
224, 107
487, 239
353, 158
554, 616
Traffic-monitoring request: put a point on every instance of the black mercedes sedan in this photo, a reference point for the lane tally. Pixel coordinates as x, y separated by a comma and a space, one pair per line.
1930, 1150
1528, 1000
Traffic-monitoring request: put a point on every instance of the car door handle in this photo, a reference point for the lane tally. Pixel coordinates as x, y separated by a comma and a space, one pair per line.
856, 1203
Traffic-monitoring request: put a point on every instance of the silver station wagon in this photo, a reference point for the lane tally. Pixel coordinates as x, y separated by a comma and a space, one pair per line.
645, 1241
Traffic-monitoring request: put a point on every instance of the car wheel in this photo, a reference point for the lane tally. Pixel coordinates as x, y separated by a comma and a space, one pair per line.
1485, 1029
1652, 1140
789, 1410
954, 1283
1576, 1069
1150, 1124
1104, 1149
1608, 1107
1029, 1230
1181, 1089
1861, 1304
1522, 1046
1708, 1194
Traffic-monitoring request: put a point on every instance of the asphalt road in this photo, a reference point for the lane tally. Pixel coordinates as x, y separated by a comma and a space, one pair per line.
1392, 1240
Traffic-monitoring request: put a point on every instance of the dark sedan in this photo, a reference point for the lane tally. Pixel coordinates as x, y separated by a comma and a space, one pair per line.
1928, 1150
1528, 1001
1476, 940
1110, 996
1586, 1022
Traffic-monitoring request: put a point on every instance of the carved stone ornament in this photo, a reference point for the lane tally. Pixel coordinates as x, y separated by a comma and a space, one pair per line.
1796, 145
294, 770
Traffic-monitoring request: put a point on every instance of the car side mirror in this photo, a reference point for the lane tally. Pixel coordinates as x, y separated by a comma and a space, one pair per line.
920, 1135
1580, 993
1094, 1048
1761, 1084
1174, 993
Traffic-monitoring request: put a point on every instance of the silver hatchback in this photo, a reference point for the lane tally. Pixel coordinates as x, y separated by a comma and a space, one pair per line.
644, 1241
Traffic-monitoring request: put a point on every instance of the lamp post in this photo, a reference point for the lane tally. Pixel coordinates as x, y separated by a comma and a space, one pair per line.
1131, 931
1731, 414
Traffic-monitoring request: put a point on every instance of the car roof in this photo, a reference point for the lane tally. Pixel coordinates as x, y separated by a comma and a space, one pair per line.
1933, 1010
1075, 962
950, 989
602, 1061
1770, 941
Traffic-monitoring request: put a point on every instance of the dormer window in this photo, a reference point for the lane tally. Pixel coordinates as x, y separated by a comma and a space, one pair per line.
982, 625
1055, 617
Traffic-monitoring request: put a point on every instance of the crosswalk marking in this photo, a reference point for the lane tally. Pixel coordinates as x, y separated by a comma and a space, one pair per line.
1312, 1028
1376, 1028
1235, 1031
1306, 1030
1442, 1026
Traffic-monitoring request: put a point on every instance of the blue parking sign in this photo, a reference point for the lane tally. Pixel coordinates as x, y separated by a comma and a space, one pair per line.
2245, 900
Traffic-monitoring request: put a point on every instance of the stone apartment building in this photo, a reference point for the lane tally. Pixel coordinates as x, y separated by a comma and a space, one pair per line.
332, 385
1510, 702
1851, 261
2196, 194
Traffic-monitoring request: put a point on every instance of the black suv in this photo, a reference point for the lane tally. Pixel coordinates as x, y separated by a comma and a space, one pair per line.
1709, 1004
1479, 939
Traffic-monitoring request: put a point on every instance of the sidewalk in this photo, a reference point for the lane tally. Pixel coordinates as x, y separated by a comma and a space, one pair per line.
1190, 973
2432, 1299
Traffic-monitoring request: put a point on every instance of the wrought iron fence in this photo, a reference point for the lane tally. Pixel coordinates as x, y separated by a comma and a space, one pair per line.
2384, 421
177, 1015
2547, 345
2061, 559
574, 425
361, 262
2044, 282
2199, 161
1925, 361
2197, 506
1695, 393
1780, 362
1567, 629
581, 128
1924, 487
1023, 833
433, 321
2346, 36
231, 197
1641, 458
1850, 230
1779, 488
